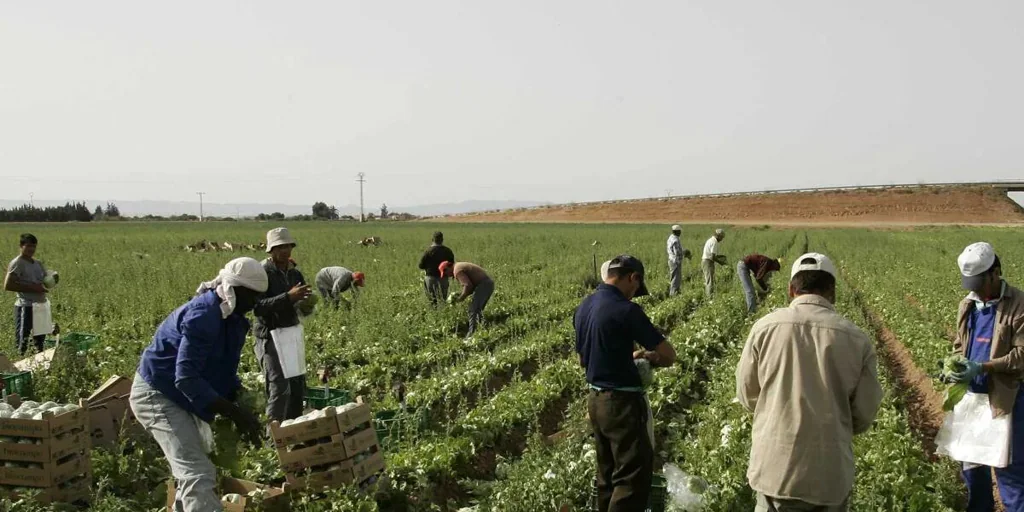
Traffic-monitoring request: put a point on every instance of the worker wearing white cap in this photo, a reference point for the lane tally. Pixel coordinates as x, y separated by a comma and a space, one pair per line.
810, 378
709, 259
676, 253
280, 346
991, 337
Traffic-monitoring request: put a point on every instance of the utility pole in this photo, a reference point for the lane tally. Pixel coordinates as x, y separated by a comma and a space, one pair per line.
361, 180
31, 199
200, 194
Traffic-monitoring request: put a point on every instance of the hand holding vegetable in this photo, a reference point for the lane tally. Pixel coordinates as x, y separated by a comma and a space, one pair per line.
971, 371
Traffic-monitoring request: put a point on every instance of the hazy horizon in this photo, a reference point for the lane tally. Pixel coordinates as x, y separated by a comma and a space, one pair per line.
450, 101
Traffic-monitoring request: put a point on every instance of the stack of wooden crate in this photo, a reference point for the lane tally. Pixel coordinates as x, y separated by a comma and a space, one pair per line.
337, 449
50, 455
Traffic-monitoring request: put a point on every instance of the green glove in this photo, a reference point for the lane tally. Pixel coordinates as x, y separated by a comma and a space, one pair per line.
971, 371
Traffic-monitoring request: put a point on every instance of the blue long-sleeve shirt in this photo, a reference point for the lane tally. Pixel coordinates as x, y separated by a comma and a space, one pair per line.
194, 356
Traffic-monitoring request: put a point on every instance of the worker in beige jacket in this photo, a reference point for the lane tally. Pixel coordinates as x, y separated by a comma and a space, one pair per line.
810, 378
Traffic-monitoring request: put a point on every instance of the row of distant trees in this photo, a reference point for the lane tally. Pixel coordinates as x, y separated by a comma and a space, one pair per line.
79, 212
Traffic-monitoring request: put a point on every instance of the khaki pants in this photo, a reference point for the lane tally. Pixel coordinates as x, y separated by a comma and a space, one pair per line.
708, 267
768, 504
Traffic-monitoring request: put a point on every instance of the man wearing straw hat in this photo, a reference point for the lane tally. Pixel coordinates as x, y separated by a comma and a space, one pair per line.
280, 347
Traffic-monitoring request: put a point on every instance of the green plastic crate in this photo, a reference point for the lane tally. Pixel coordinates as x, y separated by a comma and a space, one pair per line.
19, 383
80, 341
396, 426
655, 503
318, 398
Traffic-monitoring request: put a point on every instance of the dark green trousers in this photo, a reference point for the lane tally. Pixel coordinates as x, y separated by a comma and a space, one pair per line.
625, 457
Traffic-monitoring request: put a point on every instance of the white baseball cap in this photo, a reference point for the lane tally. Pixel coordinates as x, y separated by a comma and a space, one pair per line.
677, 227
820, 262
976, 259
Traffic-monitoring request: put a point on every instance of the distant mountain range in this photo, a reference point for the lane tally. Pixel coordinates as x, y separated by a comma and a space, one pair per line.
169, 208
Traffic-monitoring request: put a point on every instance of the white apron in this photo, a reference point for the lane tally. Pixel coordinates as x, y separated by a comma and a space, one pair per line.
291, 350
970, 434
42, 321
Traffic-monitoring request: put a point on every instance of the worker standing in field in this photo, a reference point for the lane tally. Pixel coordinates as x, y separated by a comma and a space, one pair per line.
189, 374
475, 282
991, 336
278, 329
810, 377
676, 253
25, 276
435, 284
332, 282
608, 327
709, 259
760, 266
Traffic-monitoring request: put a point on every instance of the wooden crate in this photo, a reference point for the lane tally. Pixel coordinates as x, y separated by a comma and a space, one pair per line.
77, 491
276, 499
332, 424
50, 449
50, 426
346, 472
340, 447
50, 474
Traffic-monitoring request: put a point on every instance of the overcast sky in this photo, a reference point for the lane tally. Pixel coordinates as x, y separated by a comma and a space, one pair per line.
440, 101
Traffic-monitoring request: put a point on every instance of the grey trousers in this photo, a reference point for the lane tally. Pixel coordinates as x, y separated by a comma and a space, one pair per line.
748, 286
285, 397
769, 504
436, 288
708, 267
481, 294
675, 279
175, 431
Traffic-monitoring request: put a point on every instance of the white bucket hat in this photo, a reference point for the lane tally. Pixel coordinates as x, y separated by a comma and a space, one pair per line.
279, 236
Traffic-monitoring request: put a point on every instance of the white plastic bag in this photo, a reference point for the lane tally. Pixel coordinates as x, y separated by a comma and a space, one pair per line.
684, 490
970, 434
42, 321
291, 350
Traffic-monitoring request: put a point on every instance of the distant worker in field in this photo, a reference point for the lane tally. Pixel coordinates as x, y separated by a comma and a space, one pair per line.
434, 283
760, 266
810, 377
676, 253
332, 282
25, 276
709, 259
991, 338
189, 374
280, 342
475, 282
608, 328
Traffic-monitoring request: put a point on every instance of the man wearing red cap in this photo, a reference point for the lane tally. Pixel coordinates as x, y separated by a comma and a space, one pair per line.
331, 282
475, 282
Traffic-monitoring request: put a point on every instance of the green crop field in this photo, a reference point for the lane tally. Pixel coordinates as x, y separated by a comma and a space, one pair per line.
500, 417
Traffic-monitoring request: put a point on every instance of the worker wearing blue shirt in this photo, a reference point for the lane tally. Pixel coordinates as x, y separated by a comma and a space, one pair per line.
189, 374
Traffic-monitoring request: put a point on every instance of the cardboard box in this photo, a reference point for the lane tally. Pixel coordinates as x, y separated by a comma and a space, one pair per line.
50, 426
305, 431
369, 467
51, 449
114, 387
276, 500
340, 447
50, 475
102, 428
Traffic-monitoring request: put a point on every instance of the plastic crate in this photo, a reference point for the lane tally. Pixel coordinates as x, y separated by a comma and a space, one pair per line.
80, 341
396, 426
19, 383
318, 398
655, 503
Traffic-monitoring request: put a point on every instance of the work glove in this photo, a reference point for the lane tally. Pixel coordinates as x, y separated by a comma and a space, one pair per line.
971, 370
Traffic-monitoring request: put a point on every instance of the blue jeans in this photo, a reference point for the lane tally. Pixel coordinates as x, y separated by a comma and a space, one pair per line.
23, 329
176, 432
748, 286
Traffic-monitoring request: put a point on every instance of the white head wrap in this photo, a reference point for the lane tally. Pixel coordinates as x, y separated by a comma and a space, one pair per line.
245, 272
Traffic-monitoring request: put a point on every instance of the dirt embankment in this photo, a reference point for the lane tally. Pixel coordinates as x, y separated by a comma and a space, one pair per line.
925, 205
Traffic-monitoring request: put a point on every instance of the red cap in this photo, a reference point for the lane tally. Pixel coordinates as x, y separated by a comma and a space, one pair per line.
359, 278
445, 268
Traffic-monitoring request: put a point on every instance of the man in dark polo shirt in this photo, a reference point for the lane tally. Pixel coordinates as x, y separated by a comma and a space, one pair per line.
608, 326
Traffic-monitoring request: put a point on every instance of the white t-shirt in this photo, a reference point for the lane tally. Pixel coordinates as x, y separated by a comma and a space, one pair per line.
710, 249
